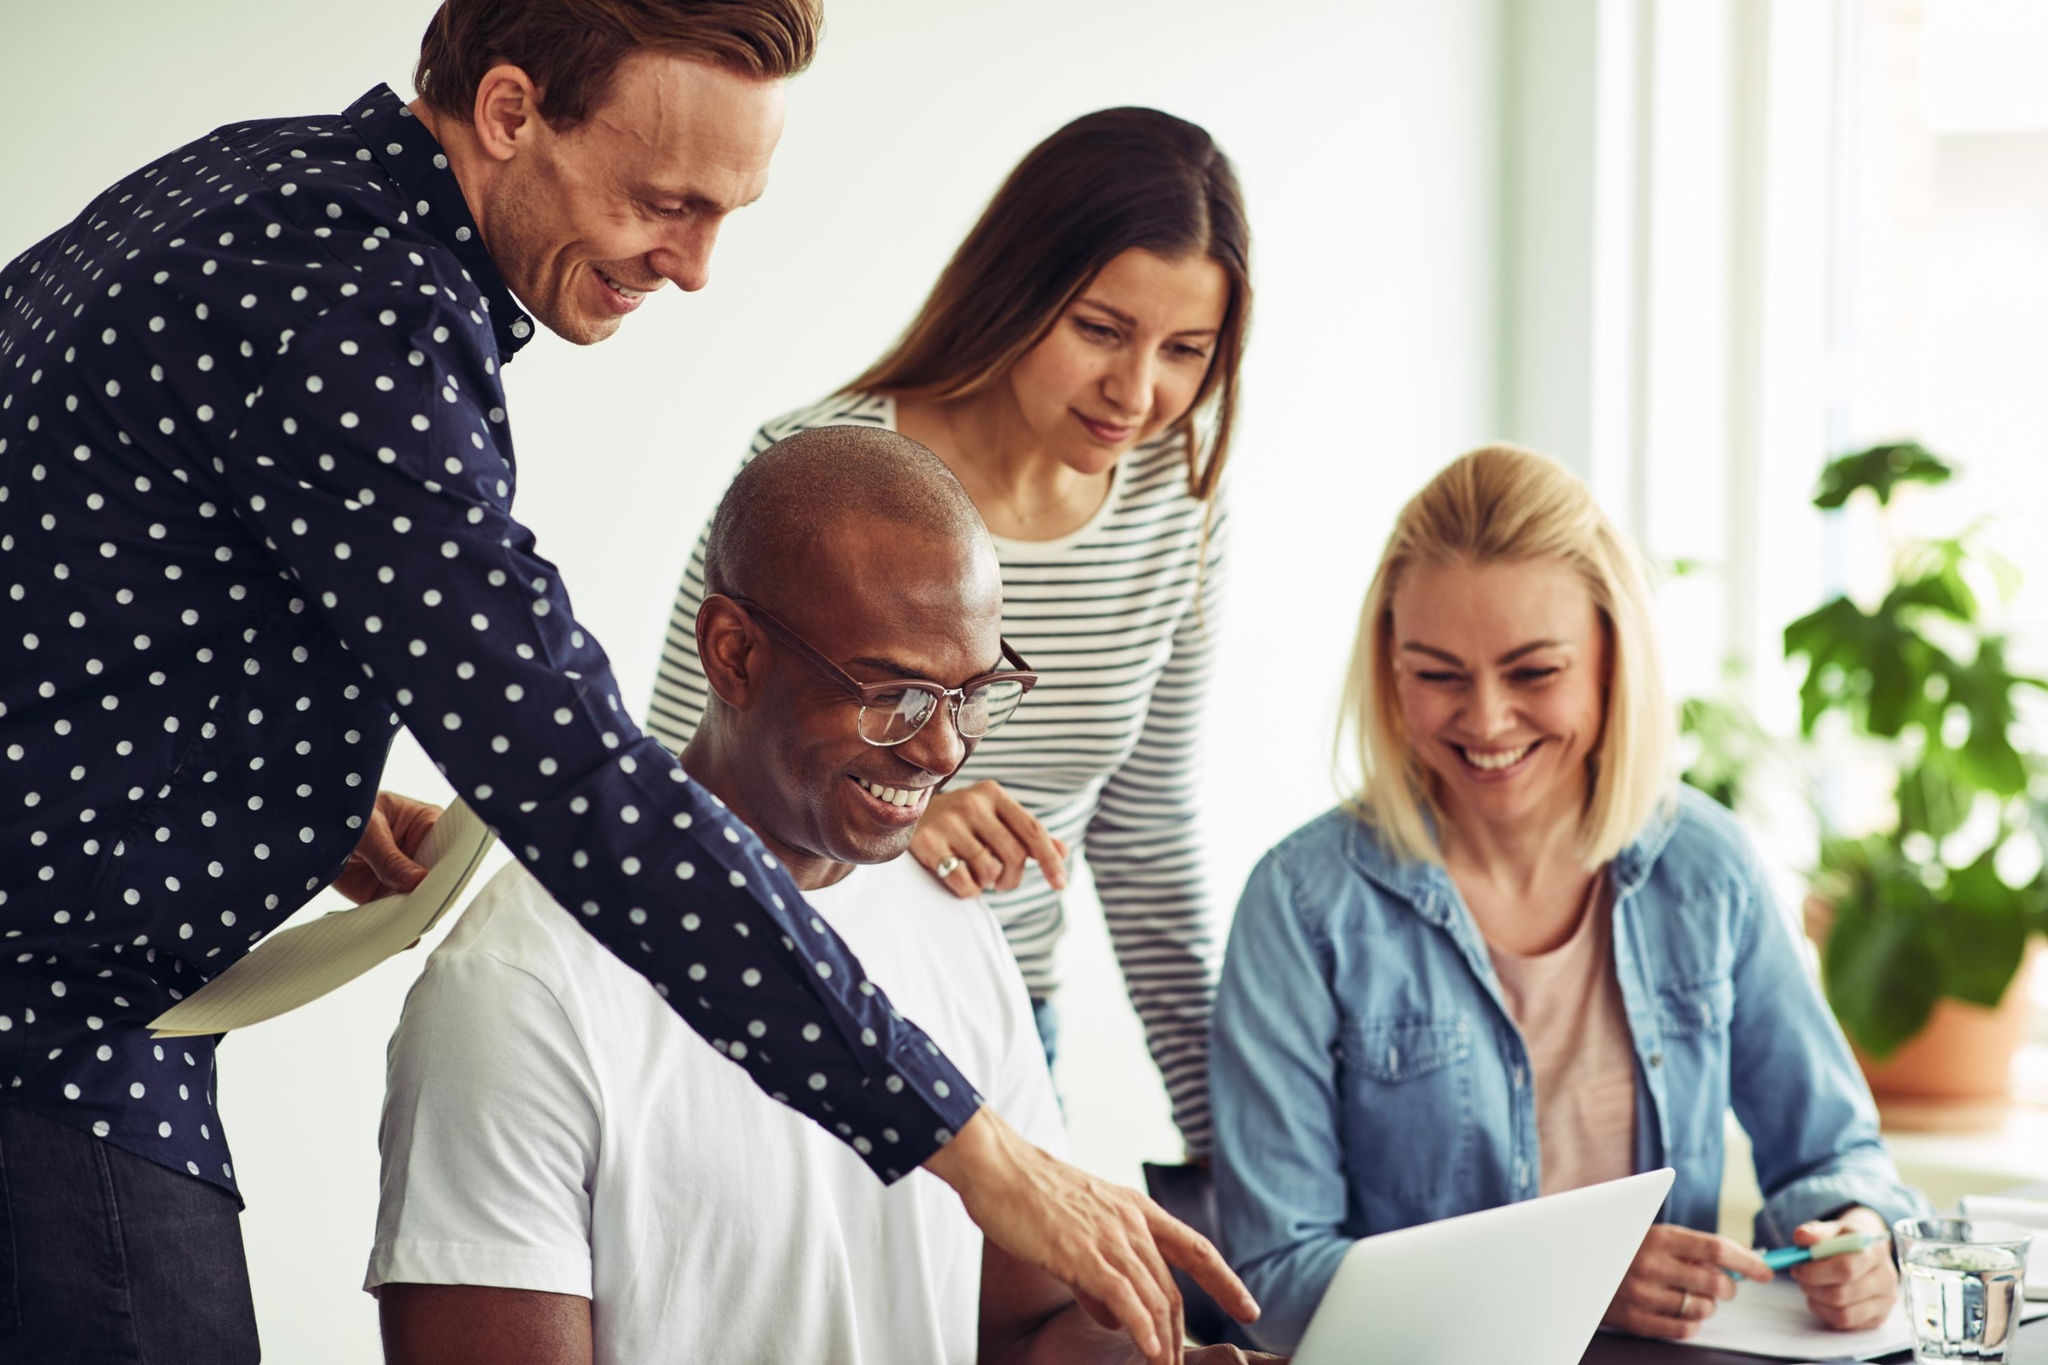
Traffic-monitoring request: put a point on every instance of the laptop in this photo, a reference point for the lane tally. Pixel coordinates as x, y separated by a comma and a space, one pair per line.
1525, 1282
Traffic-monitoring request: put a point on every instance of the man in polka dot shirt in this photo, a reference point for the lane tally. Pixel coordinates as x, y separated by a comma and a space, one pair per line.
255, 514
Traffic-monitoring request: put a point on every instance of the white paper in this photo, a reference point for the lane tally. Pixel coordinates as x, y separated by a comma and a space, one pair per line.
1772, 1319
2030, 1213
303, 963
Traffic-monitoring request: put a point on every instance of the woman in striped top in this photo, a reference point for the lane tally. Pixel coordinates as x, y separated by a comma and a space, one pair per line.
1059, 368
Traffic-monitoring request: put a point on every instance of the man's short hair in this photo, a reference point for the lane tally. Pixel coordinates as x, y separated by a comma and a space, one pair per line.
779, 510
572, 48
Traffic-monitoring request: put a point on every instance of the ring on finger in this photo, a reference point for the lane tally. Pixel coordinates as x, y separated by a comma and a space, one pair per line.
1684, 1302
946, 867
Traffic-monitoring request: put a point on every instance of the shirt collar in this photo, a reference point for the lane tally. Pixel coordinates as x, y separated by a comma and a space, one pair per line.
1427, 887
418, 167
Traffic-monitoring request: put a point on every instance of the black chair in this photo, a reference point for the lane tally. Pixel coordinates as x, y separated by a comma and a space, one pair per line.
1189, 1194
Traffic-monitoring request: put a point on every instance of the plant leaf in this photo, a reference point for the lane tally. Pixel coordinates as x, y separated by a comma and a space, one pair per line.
1882, 967
1933, 796
1880, 469
1983, 926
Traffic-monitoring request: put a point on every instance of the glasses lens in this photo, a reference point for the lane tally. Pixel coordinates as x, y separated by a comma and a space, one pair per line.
988, 706
895, 717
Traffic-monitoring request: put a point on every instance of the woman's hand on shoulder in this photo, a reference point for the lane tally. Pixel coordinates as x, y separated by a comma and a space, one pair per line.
979, 838
1677, 1281
1854, 1291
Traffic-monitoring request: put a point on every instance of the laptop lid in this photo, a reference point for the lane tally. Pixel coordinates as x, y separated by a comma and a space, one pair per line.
1525, 1282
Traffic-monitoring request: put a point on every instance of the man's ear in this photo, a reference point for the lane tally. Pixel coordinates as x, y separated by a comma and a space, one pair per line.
507, 112
730, 650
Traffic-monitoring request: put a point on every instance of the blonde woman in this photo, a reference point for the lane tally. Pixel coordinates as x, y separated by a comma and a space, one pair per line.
1523, 959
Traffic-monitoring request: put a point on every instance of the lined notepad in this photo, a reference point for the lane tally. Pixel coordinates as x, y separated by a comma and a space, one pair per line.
298, 965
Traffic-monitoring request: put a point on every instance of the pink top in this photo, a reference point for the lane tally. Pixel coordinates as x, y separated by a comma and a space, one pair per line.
1568, 1006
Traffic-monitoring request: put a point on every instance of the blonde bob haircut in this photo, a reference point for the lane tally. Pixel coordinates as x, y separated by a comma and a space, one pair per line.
1505, 505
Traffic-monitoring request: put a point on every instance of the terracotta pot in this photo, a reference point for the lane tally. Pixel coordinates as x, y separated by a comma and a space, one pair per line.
1955, 1074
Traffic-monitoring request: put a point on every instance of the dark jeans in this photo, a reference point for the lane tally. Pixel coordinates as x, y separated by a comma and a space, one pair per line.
1048, 1020
107, 1259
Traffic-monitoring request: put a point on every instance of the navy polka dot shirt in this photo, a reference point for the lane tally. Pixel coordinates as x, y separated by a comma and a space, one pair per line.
255, 514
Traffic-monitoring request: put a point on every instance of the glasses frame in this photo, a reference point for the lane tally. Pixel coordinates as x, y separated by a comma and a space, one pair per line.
870, 694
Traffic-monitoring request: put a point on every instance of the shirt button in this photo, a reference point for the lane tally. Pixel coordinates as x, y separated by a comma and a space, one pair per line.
1656, 1059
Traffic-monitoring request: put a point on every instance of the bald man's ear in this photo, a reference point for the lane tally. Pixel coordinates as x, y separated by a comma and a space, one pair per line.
730, 650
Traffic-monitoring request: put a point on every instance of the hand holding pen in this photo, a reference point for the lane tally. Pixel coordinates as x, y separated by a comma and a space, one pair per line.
1784, 1258
1846, 1271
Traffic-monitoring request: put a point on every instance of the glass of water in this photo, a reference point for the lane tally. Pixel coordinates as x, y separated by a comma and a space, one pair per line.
1965, 1281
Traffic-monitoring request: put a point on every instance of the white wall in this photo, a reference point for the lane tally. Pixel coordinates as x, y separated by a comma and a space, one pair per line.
1364, 131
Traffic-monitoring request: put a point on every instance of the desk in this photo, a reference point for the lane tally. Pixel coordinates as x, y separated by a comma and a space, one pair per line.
1606, 1349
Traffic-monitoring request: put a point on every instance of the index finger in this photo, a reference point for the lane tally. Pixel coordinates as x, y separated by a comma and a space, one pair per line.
1736, 1257
1181, 1245
1704, 1248
1029, 828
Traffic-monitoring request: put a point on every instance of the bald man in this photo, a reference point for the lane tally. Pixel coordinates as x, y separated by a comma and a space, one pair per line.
571, 1174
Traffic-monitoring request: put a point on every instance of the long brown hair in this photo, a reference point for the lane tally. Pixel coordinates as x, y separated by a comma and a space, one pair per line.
1106, 183
572, 48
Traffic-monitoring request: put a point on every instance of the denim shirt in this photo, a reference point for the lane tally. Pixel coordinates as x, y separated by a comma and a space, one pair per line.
1367, 1075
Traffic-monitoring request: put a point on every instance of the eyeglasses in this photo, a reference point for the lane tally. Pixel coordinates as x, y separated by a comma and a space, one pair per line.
891, 712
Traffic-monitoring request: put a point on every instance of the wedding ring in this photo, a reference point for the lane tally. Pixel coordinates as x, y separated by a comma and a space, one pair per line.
1684, 1302
946, 867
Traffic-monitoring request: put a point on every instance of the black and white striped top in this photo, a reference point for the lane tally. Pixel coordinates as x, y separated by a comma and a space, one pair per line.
1104, 750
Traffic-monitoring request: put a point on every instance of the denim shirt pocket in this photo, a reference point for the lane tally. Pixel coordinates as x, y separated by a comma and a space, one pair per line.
1686, 1007
1407, 1105
1693, 1019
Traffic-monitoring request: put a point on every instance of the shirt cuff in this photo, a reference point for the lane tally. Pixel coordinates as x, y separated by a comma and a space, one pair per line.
413, 1260
1804, 1201
916, 1110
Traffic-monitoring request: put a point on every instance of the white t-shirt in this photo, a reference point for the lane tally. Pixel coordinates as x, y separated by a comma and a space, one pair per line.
551, 1124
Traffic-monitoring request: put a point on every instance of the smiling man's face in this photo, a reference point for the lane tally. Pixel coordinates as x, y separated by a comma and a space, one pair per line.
885, 605
585, 223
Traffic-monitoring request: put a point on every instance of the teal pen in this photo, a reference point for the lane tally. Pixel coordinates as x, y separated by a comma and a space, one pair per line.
1784, 1258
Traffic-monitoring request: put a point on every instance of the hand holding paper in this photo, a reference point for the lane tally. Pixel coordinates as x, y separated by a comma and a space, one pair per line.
303, 963
383, 862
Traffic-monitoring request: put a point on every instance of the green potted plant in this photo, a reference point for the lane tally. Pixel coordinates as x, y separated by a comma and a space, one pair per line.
1925, 910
